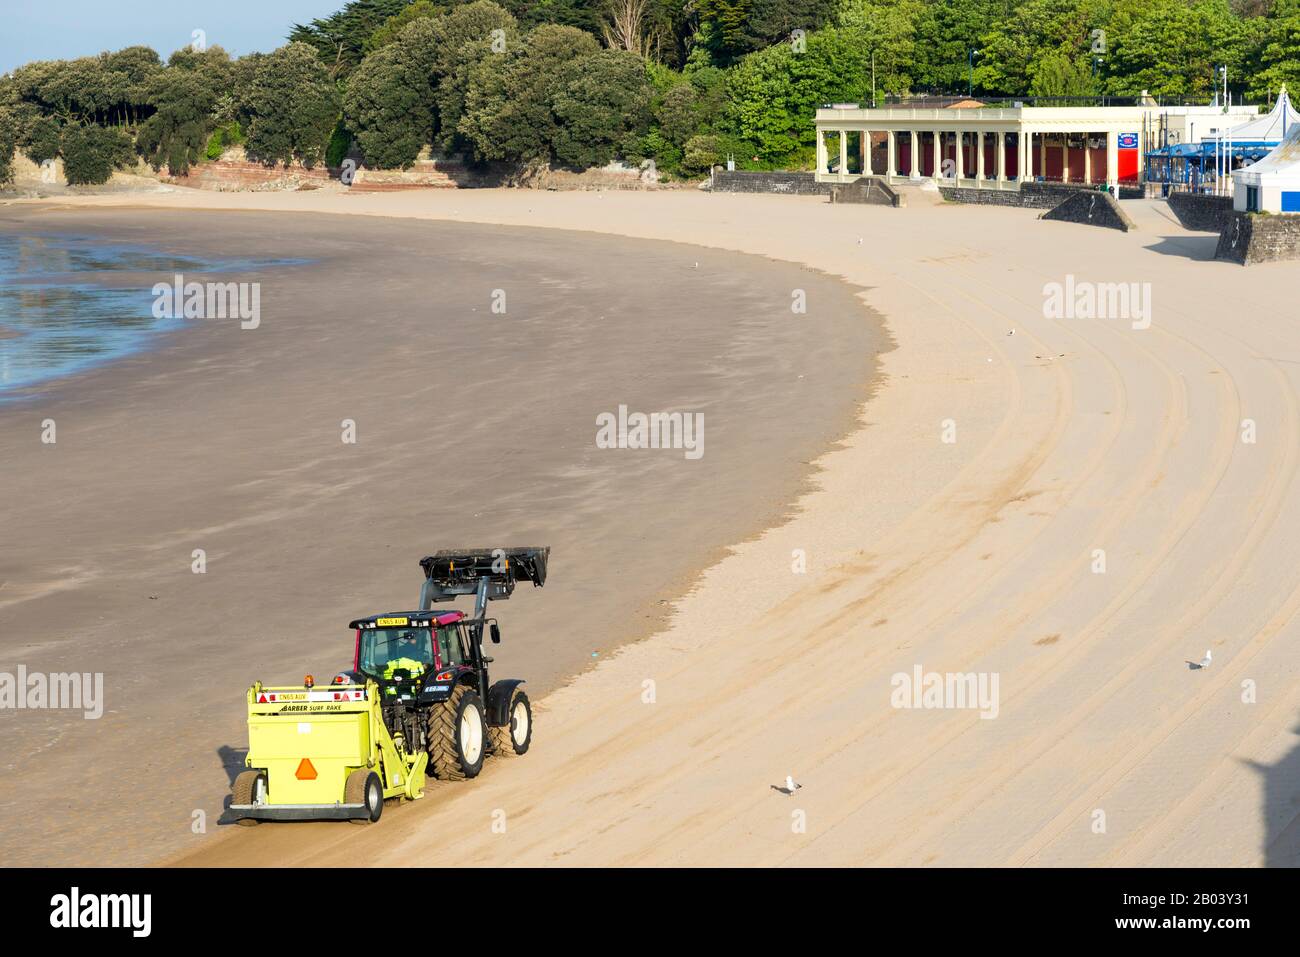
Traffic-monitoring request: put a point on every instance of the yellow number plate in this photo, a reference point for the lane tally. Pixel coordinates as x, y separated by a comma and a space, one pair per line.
388, 622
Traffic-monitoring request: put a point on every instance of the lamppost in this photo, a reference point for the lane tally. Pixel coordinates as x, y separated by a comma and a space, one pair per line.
970, 75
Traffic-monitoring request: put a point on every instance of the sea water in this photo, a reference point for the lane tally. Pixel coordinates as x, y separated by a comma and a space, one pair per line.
69, 303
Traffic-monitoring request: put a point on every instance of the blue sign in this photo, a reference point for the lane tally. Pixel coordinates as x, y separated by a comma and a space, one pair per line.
1128, 141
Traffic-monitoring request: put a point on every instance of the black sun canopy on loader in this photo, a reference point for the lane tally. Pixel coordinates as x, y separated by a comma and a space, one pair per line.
487, 573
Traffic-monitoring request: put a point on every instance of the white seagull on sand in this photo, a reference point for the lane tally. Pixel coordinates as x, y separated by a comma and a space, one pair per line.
1205, 662
790, 785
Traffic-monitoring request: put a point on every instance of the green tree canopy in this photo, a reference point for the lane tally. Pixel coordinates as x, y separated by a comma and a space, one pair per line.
508, 105
293, 105
601, 105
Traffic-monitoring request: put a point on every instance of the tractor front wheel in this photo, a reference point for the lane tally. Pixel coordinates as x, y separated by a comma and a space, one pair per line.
364, 787
454, 732
516, 734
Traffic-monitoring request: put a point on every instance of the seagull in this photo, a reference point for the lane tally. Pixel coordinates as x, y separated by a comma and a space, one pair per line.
790, 785
1012, 332
859, 240
1205, 662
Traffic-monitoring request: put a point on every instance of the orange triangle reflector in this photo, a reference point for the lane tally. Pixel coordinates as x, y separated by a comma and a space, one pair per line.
305, 772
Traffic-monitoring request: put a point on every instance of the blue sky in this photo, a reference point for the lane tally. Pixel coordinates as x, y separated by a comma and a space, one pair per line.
61, 29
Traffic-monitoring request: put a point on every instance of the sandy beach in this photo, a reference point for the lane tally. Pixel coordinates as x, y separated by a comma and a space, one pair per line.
1077, 506
470, 426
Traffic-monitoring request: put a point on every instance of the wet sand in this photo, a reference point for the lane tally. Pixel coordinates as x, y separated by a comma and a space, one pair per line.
472, 427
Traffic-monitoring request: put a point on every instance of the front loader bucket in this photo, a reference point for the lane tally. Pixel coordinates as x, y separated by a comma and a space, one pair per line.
459, 571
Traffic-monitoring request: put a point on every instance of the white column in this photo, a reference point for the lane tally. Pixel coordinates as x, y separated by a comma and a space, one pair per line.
914, 171
891, 161
844, 154
979, 156
822, 159
1087, 161
936, 170
1001, 139
1042, 154
1112, 160
959, 153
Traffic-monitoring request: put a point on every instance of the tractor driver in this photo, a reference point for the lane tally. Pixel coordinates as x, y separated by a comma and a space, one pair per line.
406, 654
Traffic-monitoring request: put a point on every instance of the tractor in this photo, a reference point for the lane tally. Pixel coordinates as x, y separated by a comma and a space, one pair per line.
418, 697
431, 668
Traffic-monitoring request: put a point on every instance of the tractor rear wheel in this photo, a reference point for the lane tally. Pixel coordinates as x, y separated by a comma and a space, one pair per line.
454, 733
246, 790
516, 734
364, 787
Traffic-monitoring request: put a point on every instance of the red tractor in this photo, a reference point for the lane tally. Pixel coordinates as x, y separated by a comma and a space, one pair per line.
431, 670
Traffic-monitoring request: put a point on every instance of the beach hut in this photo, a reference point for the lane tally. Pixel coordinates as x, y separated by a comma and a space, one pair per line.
1273, 184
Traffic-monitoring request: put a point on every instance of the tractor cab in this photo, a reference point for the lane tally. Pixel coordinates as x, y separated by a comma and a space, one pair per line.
408, 655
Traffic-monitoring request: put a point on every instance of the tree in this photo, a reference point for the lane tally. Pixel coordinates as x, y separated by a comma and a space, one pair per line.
40, 138
1277, 42
184, 97
722, 29
462, 39
508, 106
601, 104
91, 152
774, 21
389, 101
8, 143
1043, 35
1059, 75
419, 10
1173, 47
130, 73
946, 33
583, 14
885, 30
625, 26
340, 39
776, 92
294, 106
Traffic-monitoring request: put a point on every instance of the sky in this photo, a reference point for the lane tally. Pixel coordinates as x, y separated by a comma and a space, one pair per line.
62, 29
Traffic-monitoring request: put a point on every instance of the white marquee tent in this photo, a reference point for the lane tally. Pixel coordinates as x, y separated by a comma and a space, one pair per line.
1267, 130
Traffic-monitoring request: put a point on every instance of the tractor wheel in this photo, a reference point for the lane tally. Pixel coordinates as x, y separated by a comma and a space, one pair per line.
514, 737
245, 790
363, 787
454, 733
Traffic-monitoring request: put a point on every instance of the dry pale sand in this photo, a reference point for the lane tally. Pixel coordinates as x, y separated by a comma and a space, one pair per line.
1071, 435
